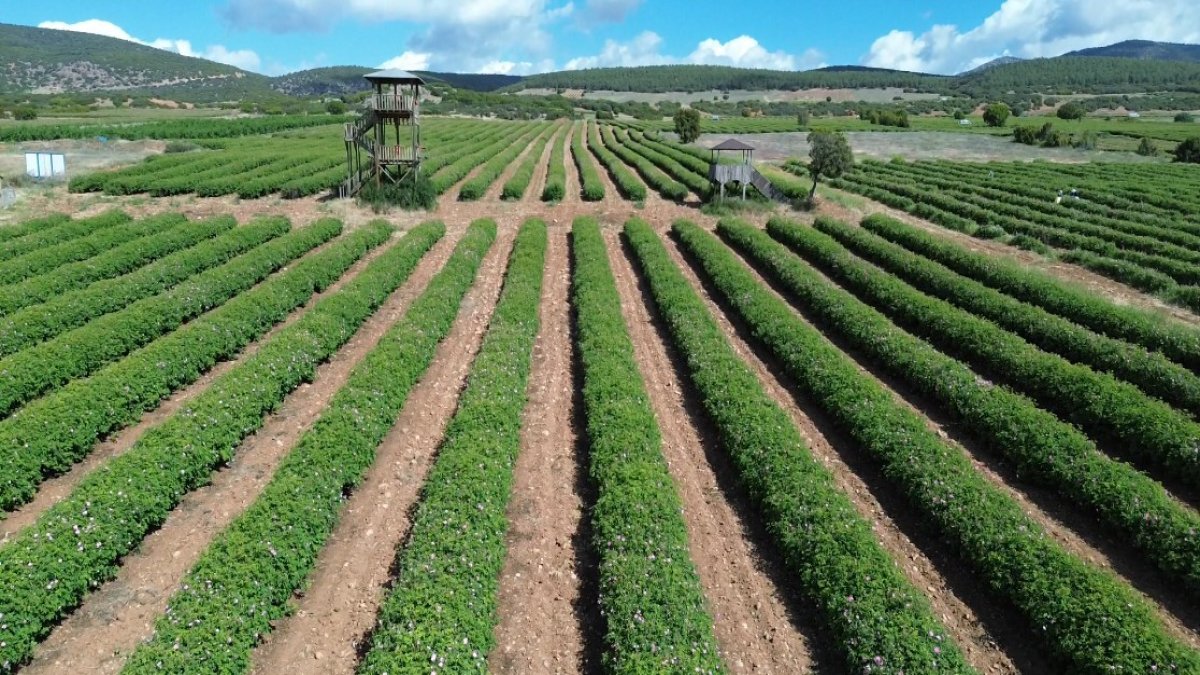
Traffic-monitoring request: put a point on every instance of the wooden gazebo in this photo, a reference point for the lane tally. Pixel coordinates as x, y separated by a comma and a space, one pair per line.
385, 142
742, 173
729, 173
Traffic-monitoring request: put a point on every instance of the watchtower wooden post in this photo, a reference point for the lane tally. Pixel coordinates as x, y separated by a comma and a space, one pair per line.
372, 154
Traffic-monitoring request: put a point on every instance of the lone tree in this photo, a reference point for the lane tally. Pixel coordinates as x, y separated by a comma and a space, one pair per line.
687, 124
996, 114
1188, 151
1147, 148
1071, 110
829, 155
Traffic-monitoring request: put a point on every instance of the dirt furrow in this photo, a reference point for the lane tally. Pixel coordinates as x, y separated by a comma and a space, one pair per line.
1114, 291
58, 488
612, 196
1074, 530
745, 588
497, 187
344, 592
543, 615
952, 591
571, 187
99, 635
533, 194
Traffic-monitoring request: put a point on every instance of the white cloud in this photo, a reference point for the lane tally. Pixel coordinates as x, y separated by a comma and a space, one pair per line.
409, 60
93, 26
642, 50
464, 36
1036, 28
245, 59
742, 51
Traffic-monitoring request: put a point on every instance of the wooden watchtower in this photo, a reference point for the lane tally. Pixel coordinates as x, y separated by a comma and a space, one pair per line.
385, 142
742, 173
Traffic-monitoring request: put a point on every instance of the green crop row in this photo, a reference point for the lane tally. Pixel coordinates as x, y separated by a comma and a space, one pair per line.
695, 159
50, 434
167, 129
617, 160
261, 186
162, 166
1145, 429
246, 577
1099, 203
116, 262
478, 153
105, 238
1082, 616
1128, 273
48, 568
28, 227
75, 353
495, 165
655, 616
29, 326
311, 185
455, 552
679, 174
58, 231
556, 173
978, 220
1151, 330
592, 188
516, 186
624, 177
860, 597
1152, 239
1151, 372
1042, 448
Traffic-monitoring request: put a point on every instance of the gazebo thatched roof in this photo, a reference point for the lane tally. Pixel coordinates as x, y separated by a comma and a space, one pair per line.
733, 144
393, 76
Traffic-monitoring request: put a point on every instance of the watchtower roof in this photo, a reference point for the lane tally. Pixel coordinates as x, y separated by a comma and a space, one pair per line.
393, 76
732, 144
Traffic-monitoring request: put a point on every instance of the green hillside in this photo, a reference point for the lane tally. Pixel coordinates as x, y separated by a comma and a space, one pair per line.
52, 61
659, 79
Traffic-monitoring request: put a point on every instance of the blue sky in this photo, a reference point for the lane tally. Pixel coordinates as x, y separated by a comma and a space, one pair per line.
523, 36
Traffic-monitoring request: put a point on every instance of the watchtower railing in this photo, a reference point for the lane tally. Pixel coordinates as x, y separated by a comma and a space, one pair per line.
393, 103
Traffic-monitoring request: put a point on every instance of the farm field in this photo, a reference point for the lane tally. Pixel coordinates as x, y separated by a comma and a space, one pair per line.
573, 421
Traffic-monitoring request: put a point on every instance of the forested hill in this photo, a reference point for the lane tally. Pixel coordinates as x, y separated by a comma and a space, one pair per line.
1082, 74
1061, 75
1145, 49
658, 79
49, 61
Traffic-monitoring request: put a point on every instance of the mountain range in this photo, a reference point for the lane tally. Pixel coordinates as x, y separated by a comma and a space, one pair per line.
44, 61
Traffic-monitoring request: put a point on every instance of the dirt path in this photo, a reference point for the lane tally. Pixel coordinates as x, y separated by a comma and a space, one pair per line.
954, 595
58, 488
99, 635
753, 623
1074, 529
533, 194
542, 613
1113, 291
344, 592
